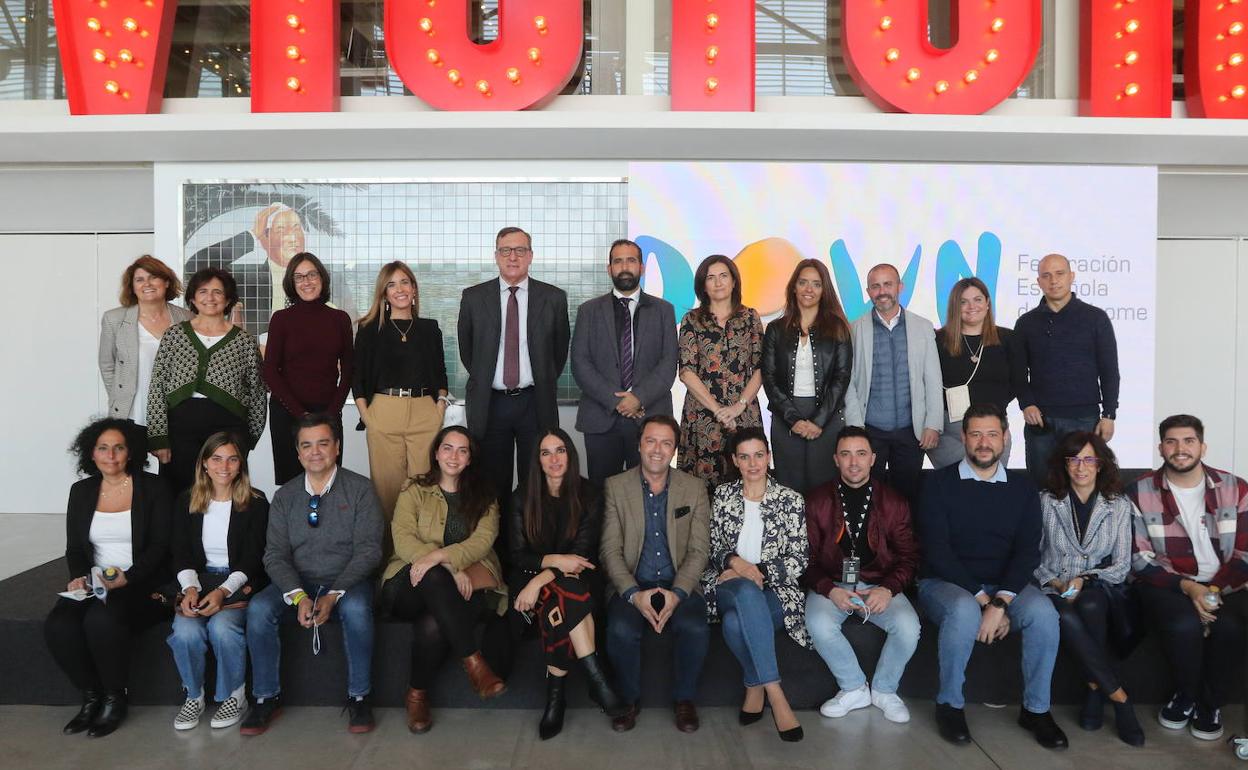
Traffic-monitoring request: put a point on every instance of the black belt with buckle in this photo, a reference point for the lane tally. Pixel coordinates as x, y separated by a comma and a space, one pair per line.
514, 391
407, 392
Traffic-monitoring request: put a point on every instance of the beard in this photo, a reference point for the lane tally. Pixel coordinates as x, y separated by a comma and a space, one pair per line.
1180, 466
625, 282
984, 465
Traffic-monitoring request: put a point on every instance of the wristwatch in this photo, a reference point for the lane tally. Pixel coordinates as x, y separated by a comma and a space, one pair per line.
998, 602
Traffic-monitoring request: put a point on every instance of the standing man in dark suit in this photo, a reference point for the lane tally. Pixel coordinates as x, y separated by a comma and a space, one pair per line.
624, 360
513, 340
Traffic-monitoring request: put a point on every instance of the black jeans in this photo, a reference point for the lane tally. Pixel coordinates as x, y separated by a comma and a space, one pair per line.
190, 424
441, 620
613, 451
90, 639
1085, 633
509, 438
281, 433
1200, 664
898, 460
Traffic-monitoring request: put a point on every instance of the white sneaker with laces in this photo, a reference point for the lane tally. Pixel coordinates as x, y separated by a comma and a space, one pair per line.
230, 712
893, 707
846, 701
188, 716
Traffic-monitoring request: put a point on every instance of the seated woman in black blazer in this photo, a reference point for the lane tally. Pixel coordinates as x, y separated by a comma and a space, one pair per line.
117, 520
555, 524
218, 551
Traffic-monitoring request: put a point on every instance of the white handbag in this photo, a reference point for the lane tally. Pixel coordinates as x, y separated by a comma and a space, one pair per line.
456, 413
958, 398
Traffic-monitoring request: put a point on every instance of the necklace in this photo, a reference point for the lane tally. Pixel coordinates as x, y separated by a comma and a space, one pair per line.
109, 487
975, 354
403, 332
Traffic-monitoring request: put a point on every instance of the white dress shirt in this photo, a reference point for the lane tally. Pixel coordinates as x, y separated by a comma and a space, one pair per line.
526, 367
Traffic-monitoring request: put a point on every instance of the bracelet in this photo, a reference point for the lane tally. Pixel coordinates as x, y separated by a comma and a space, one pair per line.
294, 600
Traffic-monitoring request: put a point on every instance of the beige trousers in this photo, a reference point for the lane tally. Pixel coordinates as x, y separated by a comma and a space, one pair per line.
399, 433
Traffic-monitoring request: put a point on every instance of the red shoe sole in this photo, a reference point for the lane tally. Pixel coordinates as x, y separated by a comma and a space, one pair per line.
260, 730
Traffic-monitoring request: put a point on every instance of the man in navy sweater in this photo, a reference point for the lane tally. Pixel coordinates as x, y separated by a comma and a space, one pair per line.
1064, 363
979, 533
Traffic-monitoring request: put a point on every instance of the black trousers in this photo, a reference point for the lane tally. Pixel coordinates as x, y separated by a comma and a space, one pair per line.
190, 424
613, 451
898, 460
281, 433
1200, 664
510, 435
90, 640
441, 620
1085, 633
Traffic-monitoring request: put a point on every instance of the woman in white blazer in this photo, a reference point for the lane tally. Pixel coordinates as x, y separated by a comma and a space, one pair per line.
130, 335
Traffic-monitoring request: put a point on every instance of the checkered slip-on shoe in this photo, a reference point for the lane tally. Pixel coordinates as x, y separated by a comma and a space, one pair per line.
188, 716
230, 712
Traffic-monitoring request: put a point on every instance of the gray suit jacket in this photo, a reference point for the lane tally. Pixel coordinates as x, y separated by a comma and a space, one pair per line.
624, 525
596, 359
119, 355
480, 328
927, 393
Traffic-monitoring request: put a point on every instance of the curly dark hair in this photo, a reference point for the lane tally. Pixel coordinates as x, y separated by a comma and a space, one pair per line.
83, 447
1108, 479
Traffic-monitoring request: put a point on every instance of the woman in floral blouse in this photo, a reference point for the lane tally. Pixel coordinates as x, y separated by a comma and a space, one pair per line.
721, 353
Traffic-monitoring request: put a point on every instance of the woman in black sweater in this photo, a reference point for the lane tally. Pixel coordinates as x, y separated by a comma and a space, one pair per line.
117, 538
555, 524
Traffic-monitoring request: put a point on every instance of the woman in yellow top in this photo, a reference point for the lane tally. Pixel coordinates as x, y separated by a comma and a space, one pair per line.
444, 575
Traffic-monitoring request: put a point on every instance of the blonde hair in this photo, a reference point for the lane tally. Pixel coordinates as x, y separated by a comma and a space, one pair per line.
201, 489
380, 309
953, 317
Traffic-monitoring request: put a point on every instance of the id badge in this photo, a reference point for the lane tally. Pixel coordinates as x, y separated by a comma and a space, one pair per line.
849, 570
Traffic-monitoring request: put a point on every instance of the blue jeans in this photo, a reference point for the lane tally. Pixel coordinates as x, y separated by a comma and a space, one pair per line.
190, 639
751, 618
625, 627
955, 610
266, 611
1042, 442
899, 621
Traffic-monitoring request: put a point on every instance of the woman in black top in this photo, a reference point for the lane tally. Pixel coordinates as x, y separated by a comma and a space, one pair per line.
117, 537
555, 524
399, 385
806, 363
974, 362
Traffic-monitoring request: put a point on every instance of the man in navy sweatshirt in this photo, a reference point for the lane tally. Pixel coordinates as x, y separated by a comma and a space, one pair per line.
1064, 363
979, 533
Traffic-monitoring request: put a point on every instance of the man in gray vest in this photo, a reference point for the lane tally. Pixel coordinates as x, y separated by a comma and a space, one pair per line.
896, 391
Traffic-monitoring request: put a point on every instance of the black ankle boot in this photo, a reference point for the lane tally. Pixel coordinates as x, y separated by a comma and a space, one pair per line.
552, 717
600, 690
1129, 730
91, 702
1092, 716
112, 714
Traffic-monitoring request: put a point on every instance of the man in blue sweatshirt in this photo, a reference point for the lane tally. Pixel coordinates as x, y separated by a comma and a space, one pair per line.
979, 534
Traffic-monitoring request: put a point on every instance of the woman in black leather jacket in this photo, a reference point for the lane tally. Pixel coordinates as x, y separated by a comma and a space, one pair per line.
807, 357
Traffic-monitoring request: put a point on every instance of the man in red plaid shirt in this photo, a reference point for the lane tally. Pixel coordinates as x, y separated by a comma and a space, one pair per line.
1190, 562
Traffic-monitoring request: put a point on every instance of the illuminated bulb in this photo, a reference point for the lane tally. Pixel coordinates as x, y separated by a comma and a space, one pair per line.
433, 56
99, 55
513, 74
535, 55
997, 24
1131, 58
712, 51
292, 21
293, 83
1236, 28
941, 86
1239, 91
712, 20
125, 55
453, 76
112, 86
129, 24
93, 24
712, 84
539, 23
892, 54
1236, 59
971, 76
913, 74
886, 22
483, 86
1132, 89
1132, 26
425, 24
992, 55
292, 52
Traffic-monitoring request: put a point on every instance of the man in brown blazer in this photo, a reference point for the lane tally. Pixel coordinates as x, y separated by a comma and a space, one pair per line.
655, 539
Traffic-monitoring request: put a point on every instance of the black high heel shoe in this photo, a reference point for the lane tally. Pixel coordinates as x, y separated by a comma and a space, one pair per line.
600, 690
112, 714
92, 700
792, 735
552, 719
748, 717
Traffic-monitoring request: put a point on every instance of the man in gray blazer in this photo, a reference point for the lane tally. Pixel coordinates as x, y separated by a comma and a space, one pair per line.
513, 341
624, 360
896, 391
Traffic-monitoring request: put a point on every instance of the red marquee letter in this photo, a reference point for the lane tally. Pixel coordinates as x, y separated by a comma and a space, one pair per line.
890, 56
537, 52
1215, 71
294, 56
115, 53
712, 63
1126, 52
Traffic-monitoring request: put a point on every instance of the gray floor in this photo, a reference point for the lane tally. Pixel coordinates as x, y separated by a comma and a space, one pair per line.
313, 738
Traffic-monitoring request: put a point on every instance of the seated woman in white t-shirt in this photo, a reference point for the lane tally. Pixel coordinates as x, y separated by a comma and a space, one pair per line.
117, 538
218, 550
758, 554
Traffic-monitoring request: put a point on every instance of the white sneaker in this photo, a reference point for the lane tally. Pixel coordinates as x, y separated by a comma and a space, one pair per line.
846, 701
893, 707
230, 712
188, 716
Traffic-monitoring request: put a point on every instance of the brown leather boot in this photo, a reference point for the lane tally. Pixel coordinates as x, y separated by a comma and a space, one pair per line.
419, 720
484, 681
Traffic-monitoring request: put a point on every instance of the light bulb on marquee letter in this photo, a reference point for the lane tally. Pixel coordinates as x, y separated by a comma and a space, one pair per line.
1213, 39
1004, 34
294, 56
1125, 55
536, 53
121, 35
712, 60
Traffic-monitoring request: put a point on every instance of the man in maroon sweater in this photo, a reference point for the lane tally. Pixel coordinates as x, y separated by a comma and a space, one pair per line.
863, 554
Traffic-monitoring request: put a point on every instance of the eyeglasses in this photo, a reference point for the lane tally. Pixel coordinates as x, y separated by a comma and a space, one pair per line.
1091, 462
519, 251
314, 514
306, 277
